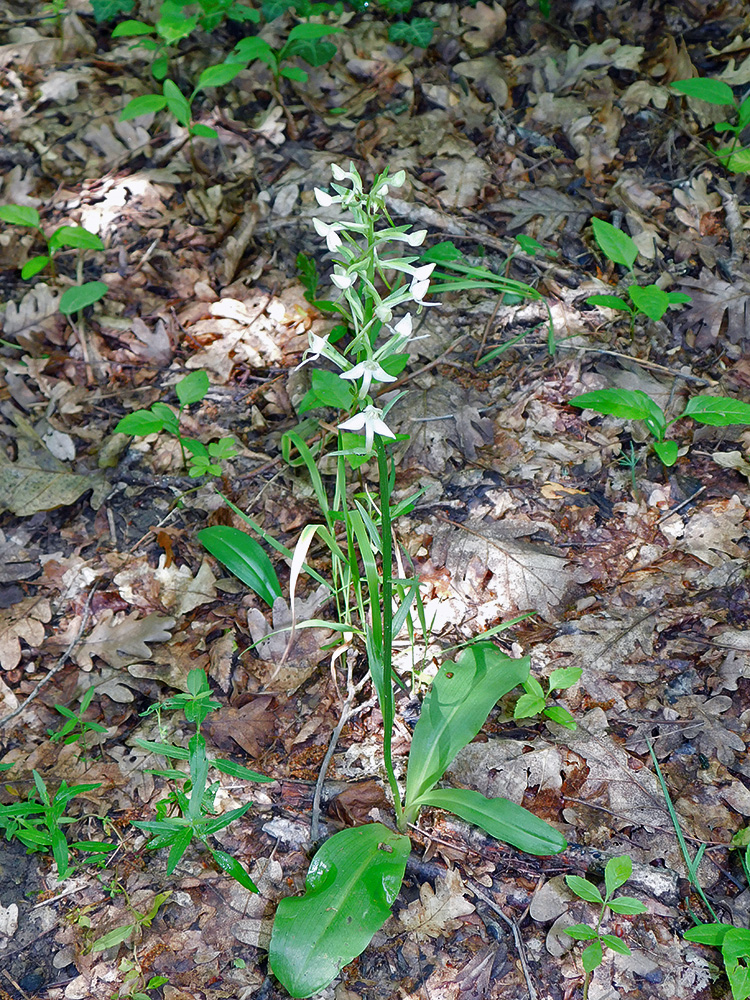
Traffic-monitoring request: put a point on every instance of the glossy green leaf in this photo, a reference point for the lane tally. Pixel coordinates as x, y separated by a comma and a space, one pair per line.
218, 76
581, 932
501, 818
628, 404
149, 104
613, 242
615, 943
718, 411
608, 302
20, 215
128, 29
253, 47
308, 31
710, 91
177, 102
244, 557
204, 131
233, 867
114, 937
561, 716
350, 888
617, 871
564, 677
592, 956
76, 237
455, 709
140, 423
192, 388
711, 934
527, 706
651, 300
584, 889
628, 905
667, 451
418, 32
294, 73
34, 266
81, 296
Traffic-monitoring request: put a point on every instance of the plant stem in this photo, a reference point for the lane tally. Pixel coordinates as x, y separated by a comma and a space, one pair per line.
387, 555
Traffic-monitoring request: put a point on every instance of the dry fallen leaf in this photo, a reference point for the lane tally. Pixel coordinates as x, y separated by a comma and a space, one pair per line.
123, 641
22, 621
437, 911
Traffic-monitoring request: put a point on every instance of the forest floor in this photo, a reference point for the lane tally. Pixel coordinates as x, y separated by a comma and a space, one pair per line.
507, 123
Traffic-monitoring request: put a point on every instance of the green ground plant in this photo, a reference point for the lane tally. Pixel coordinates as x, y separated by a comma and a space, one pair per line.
198, 458
648, 300
187, 812
355, 876
634, 404
616, 873
38, 821
76, 728
733, 942
735, 157
534, 700
75, 237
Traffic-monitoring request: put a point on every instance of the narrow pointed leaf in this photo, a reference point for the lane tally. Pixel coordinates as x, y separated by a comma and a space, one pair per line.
584, 889
710, 91
244, 557
616, 944
718, 411
350, 887
81, 296
233, 867
616, 244
501, 818
627, 905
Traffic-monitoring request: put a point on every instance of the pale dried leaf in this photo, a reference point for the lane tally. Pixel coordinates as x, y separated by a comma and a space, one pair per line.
437, 911
554, 206
123, 641
24, 620
713, 300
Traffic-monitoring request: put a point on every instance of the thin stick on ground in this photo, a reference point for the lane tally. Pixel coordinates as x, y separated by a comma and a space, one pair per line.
516, 937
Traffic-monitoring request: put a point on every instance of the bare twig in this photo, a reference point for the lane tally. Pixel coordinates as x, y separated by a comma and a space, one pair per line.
60, 663
516, 937
352, 690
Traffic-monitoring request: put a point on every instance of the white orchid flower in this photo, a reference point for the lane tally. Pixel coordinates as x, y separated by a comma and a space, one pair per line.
341, 279
330, 232
420, 281
318, 346
324, 199
370, 421
403, 327
368, 371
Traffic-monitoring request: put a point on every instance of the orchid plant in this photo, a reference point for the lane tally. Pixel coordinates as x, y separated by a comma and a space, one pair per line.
356, 874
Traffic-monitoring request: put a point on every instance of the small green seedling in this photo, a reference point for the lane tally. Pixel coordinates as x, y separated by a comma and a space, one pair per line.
534, 701
179, 106
76, 237
418, 31
173, 24
38, 823
195, 800
720, 93
634, 404
305, 41
76, 727
616, 873
124, 932
202, 460
650, 300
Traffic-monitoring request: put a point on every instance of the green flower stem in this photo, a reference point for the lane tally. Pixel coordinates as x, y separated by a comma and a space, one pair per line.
387, 554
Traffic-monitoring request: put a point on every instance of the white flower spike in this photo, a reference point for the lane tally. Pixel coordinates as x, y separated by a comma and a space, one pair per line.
370, 420
318, 346
368, 371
